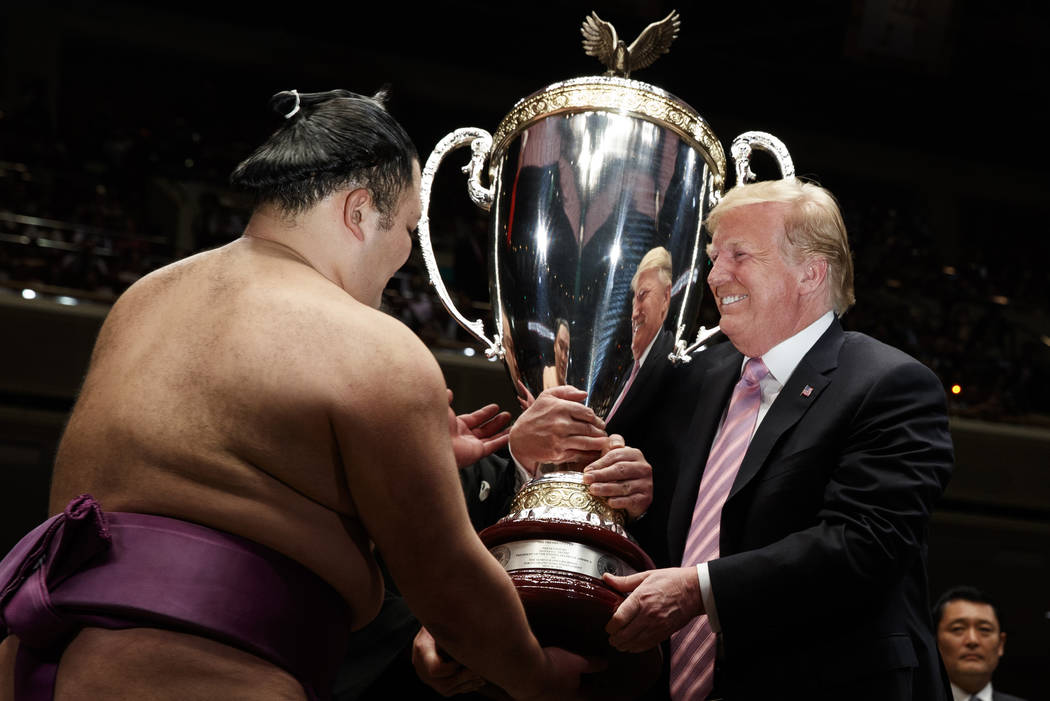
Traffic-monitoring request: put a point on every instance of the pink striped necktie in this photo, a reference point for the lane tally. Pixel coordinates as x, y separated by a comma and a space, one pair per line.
693, 647
630, 381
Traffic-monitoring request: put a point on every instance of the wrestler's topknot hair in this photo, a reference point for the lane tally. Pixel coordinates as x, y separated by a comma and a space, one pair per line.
329, 141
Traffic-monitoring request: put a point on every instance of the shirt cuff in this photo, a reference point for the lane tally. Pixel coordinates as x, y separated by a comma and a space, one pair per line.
708, 596
522, 476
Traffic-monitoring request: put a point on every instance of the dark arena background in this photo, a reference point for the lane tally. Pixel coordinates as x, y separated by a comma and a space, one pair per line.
120, 123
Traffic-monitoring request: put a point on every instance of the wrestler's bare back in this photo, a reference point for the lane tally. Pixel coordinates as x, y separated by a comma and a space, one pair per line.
209, 399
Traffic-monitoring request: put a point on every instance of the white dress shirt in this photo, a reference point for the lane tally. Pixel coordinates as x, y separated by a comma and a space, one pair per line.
984, 694
781, 360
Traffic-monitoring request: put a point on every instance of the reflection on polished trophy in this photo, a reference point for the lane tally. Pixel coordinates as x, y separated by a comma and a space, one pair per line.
581, 180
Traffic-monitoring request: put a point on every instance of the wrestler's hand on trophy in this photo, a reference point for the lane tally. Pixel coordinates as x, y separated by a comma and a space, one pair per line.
623, 476
561, 678
558, 680
477, 434
659, 603
441, 673
557, 428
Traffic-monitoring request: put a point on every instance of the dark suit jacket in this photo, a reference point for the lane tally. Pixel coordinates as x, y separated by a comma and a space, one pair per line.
651, 418
822, 574
999, 696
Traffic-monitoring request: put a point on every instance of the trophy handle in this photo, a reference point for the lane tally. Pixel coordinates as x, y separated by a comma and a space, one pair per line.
481, 144
747, 142
683, 354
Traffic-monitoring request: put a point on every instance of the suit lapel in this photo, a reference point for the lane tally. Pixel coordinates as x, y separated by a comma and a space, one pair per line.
716, 389
641, 394
801, 391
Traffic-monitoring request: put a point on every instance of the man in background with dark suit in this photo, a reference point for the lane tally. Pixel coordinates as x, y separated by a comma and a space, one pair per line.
971, 641
805, 481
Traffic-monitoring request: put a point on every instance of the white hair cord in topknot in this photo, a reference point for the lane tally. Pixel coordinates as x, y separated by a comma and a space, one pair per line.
296, 108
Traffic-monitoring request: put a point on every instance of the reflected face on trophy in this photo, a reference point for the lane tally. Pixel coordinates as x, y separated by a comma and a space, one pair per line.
561, 352
554, 375
511, 358
652, 297
651, 288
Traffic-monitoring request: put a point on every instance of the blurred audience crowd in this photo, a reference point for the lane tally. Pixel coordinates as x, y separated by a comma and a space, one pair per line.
978, 324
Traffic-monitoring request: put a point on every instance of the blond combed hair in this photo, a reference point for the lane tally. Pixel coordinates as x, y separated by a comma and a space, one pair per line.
658, 258
813, 228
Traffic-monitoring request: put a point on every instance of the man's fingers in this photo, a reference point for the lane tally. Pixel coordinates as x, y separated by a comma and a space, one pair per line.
492, 425
576, 457
427, 658
620, 464
567, 392
582, 444
481, 416
630, 629
585, 428
628, 609
571, 400
619, 488
633, 496
627, 583
636, 636
566, 426
445, 675
575, 449
618, 455
624, 478
626, 502
635, 505
494, 444
585, 414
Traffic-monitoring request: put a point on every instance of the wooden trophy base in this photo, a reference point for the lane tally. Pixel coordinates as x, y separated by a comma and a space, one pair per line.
556, 563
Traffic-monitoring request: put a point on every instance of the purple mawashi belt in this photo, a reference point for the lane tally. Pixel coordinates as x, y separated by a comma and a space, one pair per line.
83, 568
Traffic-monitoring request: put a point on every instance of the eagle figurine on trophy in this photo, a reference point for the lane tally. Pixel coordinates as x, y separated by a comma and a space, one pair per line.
600, 41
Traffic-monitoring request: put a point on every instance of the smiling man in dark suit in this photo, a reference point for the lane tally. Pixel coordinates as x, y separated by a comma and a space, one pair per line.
805, 481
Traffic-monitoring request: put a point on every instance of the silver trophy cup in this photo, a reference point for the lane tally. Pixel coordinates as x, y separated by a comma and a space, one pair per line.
585, 178
585, 181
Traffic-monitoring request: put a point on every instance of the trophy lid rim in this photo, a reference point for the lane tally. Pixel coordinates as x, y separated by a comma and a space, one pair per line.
607, 93
569, 476
612, 80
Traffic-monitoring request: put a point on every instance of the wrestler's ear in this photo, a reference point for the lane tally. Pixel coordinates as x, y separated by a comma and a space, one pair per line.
355, 208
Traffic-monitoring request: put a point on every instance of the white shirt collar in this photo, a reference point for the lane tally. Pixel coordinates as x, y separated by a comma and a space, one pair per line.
783, 358
645, 353
984, 694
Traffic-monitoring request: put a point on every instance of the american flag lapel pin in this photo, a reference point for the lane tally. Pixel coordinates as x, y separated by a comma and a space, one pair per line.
807, 390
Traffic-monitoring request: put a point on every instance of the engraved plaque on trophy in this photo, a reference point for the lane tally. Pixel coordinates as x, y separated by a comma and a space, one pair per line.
582, 180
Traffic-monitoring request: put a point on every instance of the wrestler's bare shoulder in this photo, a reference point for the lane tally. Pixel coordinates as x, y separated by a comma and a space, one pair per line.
259, 297
223, 390
255, 354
